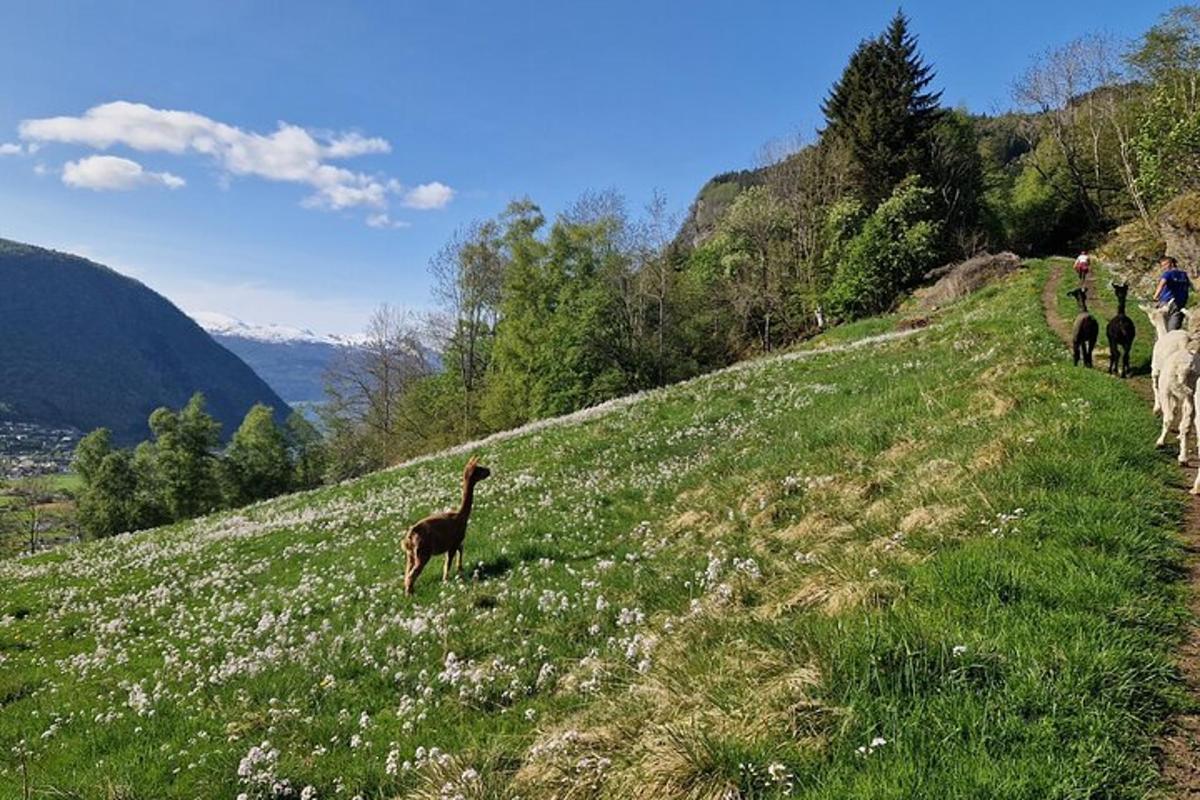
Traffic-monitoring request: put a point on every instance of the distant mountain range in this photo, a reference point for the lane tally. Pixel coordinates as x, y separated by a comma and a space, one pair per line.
224, 325
83, 346
292, 361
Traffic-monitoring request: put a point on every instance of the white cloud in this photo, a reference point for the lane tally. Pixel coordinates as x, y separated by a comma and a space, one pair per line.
10, 149
349, 145
110, 173
290, 154
427, 196
383, 220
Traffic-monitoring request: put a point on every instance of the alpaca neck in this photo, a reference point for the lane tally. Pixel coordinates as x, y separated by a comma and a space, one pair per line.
1160, 327
1120, 306
468, 496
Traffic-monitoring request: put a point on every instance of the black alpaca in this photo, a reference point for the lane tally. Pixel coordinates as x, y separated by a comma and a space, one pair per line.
1120, 332
1086, 330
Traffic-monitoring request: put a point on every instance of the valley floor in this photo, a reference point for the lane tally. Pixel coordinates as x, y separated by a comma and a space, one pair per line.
943, 565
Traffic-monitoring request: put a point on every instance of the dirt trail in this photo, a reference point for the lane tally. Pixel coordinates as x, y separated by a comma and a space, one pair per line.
1180, 748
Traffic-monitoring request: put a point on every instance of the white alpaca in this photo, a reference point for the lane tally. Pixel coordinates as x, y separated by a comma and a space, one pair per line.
1177, 392
1166, 344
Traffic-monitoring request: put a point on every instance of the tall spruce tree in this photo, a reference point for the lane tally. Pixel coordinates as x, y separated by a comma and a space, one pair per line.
881, 111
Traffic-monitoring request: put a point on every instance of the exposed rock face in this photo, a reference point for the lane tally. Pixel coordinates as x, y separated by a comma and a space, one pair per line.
1133, 246
710, 205
1180, 222
960, 279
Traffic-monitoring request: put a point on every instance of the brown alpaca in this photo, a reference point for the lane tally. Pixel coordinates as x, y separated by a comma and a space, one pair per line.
442, 533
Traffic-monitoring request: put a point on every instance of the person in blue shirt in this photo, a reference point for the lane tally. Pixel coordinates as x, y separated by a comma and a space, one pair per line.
1173, 289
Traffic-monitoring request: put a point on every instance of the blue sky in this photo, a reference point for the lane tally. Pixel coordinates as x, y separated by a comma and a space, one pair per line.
406, 120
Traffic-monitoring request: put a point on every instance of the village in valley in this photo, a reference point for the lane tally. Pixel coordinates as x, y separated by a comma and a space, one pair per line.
28, 450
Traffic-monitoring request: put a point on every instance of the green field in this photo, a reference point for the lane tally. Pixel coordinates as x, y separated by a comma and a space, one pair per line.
936, 566
55, 512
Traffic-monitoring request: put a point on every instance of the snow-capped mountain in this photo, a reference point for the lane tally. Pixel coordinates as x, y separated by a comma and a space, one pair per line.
293, 361
220, 324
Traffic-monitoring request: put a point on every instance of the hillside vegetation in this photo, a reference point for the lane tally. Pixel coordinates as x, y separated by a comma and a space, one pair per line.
86, 347
543, 313
911, 567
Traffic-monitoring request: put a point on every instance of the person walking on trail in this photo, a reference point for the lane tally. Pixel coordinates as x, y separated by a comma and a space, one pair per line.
1083, 265
1173, 289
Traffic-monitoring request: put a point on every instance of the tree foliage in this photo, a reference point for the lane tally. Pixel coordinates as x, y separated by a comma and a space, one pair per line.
887, 255
257, 464
881, 109
181, 473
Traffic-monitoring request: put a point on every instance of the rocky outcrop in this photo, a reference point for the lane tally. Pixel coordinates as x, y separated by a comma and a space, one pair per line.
1180, 223
962, 278
710, 205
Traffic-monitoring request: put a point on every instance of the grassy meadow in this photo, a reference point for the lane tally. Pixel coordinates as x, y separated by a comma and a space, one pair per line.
54, 511
938, 565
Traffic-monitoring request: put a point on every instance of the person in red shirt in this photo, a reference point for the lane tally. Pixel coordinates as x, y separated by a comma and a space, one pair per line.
1083, 265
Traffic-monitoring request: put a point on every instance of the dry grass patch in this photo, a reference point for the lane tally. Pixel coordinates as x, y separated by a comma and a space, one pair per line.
666, 737
929, 518
990, 455
901, 451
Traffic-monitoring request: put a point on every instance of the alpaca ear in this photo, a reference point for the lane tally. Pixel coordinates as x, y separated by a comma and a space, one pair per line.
472, 461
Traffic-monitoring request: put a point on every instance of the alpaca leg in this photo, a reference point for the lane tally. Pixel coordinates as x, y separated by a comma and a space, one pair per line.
1154, 390
408, 568
1087, 354
446, 566
1075, 348
1167, 418
1185, 423
1114, 356
418, 565
460, 558
1196, 411
1125, 361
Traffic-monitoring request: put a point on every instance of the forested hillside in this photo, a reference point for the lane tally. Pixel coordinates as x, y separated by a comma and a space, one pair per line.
543, 315
86, 347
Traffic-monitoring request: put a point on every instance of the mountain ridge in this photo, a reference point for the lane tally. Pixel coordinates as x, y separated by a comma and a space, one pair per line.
88, 347
220, 324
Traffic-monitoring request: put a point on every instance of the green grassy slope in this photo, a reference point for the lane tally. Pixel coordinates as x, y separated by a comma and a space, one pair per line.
940, 566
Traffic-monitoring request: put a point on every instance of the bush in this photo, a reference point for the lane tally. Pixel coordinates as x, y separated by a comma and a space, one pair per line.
897, 244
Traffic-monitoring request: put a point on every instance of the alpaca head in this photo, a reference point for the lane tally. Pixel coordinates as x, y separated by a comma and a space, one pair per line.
1156, 314
1080, 295
1120, 290
475, 472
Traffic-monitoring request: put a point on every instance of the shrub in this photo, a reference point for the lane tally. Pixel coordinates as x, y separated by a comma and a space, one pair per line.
897, 244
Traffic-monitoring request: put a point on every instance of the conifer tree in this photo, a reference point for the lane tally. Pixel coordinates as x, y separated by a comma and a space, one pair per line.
882, 112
